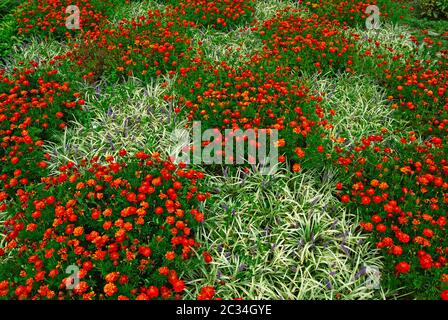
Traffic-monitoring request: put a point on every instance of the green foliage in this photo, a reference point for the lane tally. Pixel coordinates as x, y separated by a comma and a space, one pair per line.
8, 35
8, 27
6, 6
433, 9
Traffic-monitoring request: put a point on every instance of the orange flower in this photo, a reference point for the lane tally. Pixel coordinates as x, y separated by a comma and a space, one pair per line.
164, 271
110, 289
170, 255
179, 286
112, 277
78, 231
80, 185
406, 169
299, 152
383, 185
296, 167
280, 143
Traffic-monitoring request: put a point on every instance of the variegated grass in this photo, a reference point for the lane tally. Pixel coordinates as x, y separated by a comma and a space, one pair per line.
235, 46
282, 237
361, 106
131, 115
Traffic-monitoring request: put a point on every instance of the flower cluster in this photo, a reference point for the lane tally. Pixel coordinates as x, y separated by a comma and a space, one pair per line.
399, 187
33, 105
408, 219
219, 14
49, 16
126, 225
254, 97
145, 47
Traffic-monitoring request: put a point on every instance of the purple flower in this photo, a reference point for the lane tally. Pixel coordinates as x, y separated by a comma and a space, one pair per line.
345, 249
242, 267
361, 272
335, 222
109, 139
267, 230
126, 122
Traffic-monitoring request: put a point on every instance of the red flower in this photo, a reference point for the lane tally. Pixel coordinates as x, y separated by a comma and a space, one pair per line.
365, 200
170, 255
397, 250
165, 292
381, 228
428, 233
366, 226
426, 261
206, 293
179, 286
402, 267
145, 251
207, 257
444, 295
153, 292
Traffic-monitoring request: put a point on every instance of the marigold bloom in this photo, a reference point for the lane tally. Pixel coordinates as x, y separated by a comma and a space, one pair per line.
444, 295
78, 231
112, 276
179, 286
110, 289
170, 255
402, 267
